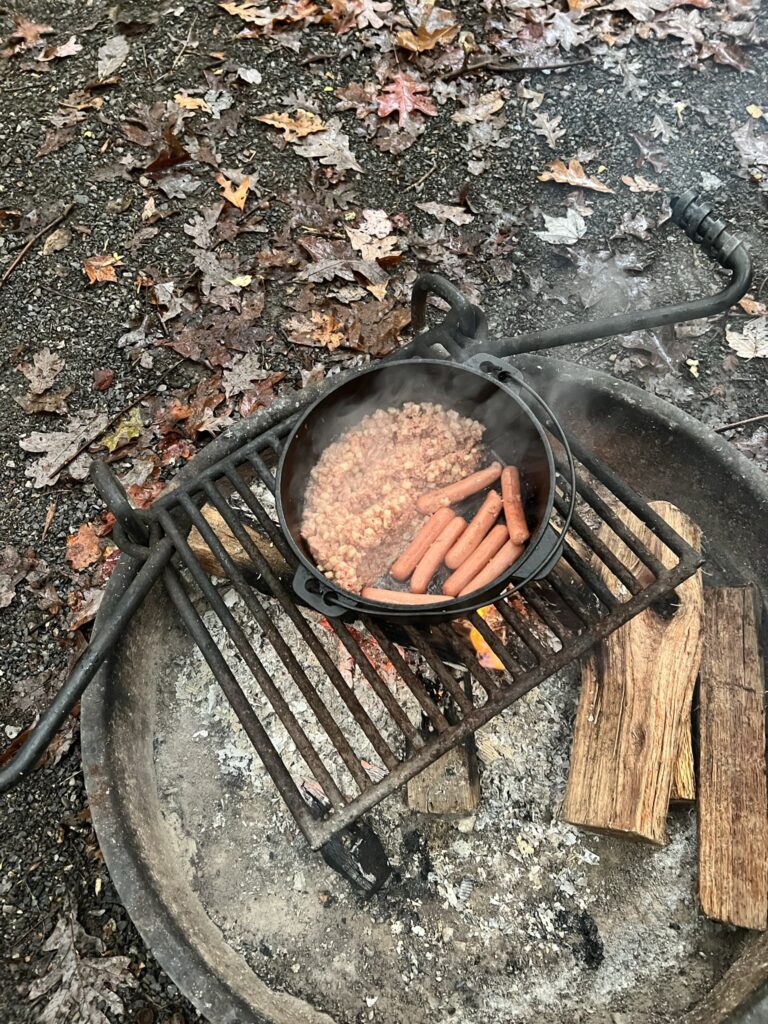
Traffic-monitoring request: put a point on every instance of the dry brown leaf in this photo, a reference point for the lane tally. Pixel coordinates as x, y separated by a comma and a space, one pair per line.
371, 248
436, 26
573, 174
235, 196
29, 31
42, 371
320, 329
191, 102
304, 123
102, 268
83, 547
404, 95
639, 184
68, 49
57, 240
752, 306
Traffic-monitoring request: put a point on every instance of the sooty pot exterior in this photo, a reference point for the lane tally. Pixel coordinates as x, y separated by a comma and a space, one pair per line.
513, 433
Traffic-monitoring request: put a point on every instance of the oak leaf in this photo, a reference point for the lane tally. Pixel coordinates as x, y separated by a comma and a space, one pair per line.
444, 212
639, 184
319, 329
68, 49
573, 174
29, 32
42, 371
434, 26
330, 147
235, 196
102, 268
304, 123
404, 95
192, 103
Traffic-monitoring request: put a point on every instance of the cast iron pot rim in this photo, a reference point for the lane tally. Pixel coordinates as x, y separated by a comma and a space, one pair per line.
492, 591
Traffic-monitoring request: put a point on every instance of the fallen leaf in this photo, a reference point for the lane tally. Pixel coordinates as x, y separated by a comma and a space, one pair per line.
49, 402
250, 75
102, 268
549, 127
336, 259
319, 329
103, 379
639, 184
726, 53
330, 147
304, 123
84, 609
651, 152
112, 55
55, 140
191, 102
752, 342
57, 240
58, 447
635, 225
373, 248
14, 566
404, 95
754, 111
68, 49
753, 307
573, 174
235, 196
83, 548
434, 26
125, 431
563, 230
42, 371
479, 109
442, 212
29, 32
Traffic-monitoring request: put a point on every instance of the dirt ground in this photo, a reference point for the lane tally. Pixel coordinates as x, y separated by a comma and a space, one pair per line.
628, 257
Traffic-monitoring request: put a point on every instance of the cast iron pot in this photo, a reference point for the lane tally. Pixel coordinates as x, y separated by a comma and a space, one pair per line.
485, 389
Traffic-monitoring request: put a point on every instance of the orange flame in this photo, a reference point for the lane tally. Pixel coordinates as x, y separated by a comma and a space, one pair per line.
485, 655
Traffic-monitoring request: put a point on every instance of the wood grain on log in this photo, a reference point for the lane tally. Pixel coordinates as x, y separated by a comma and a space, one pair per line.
733, 805
233, 547
636, 700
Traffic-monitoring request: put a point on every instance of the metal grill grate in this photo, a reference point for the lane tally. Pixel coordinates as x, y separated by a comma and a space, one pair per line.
550, 624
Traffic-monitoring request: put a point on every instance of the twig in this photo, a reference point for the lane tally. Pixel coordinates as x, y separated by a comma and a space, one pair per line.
742, 423
422, 179
181, 52
43, 231
121, 412
492, 64
315, 58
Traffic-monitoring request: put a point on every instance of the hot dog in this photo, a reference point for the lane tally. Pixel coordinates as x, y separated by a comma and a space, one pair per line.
442, 496
435, 553
506, 556
474, 533
477, 561
400, 596
410, 558
514, 513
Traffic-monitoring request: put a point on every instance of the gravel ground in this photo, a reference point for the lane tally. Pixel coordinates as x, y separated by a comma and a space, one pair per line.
49, 858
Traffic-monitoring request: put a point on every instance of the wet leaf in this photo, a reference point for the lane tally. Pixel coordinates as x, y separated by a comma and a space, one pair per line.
250, 75
635, 225
125, 431
442, 212
14, 566
29, 32
726, 53
330, 147
84, 608
479, 109
68, 49
294, 127
752, 306
573, 174
80, 984
549, 128
650, 152
235, 196
752, 341
48, 403
321, 329
102, 268
336, 259
42, 371
639, 184
57, 240
112, 55
193, 103
83, 548
403, 95
58, 447
56, 140
103, 379
563, 230
435, 26
371, 248
753, 149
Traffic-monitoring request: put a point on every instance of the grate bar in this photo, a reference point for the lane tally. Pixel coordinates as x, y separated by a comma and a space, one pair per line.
510, 663
601, 549
262, 677
590, 577
280, 646
438, 666
466, 655
533, 596
346, 693
247, 717
515, 620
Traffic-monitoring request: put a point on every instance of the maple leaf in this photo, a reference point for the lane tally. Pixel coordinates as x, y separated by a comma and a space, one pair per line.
563, 230
304, 123
42, 371
336, 259
639, 184
235, 196
752, 342
331, 147
404, 95
68, 49
573, 174
434, 25
83, 548
102, 268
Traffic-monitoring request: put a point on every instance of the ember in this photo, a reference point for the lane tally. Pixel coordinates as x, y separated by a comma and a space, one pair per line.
485, 655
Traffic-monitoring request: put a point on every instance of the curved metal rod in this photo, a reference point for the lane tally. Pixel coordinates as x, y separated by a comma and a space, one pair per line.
696, 220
